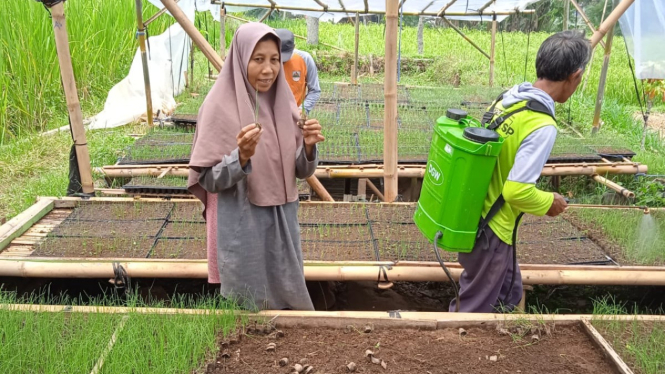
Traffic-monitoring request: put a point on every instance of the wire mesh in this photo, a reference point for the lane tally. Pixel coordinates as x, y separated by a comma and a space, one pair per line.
328, 232
160, 146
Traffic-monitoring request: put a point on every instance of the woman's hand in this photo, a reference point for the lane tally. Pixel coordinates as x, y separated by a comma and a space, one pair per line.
247, 140
311, 133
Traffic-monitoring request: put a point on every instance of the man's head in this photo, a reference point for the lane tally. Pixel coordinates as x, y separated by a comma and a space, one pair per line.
561, 61
287, 43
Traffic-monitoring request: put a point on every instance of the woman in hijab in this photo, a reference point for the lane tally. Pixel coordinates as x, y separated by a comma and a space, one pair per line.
247, 153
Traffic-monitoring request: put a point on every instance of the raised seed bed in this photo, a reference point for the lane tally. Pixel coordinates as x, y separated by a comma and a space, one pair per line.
526, 348
164, 185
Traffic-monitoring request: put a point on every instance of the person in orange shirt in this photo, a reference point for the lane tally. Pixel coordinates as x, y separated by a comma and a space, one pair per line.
300, 71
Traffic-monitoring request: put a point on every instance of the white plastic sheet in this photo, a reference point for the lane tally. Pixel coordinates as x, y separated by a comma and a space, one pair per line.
167, 65
643, 27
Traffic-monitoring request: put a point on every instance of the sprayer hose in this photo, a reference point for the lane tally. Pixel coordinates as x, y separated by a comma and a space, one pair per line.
512, 277
438, 236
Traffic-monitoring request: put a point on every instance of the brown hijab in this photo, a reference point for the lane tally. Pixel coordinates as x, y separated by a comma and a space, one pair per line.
230, 106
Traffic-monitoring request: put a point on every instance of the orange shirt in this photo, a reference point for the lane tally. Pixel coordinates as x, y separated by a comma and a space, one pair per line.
295, 72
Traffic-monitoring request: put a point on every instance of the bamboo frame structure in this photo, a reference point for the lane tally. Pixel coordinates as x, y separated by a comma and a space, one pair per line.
603, 80
386, 271
611, 20
450, 24
377, 171
586, 19
366, 10
71, 96
144, 59
390, 159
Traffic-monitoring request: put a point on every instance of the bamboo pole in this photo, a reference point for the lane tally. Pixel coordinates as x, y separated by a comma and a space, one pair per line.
603, 80
466, 37
613, 186
441, 12
222, 32
376, 191
24, 221
390, 103
378, 172
319, 189
566, 14
144, 60
586, 19
354, 72
369, 11
492, 50
610, 21
71, 95
294, 35
193, 33
598, 275
155, 16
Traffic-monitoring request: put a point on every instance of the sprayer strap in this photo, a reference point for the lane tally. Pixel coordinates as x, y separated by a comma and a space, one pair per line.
487, 117
485, 221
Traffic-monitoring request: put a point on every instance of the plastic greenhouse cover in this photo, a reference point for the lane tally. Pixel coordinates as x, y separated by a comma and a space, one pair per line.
643, 27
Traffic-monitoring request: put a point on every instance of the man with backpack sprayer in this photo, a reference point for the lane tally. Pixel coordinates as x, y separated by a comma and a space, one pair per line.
491, 276
481, 177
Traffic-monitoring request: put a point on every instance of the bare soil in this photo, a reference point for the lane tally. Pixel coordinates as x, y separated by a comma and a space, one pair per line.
184, 230
119, 247
187, 212
107, 228
194, 249
481, 350
130, 211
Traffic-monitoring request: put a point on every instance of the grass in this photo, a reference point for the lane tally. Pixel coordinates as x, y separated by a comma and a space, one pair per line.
62, 342
640, 344
638, 235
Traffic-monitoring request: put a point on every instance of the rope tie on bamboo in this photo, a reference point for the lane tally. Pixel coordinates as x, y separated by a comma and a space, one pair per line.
120, 277
383, 271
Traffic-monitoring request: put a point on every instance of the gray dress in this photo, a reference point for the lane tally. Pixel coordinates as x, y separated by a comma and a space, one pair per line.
258, 248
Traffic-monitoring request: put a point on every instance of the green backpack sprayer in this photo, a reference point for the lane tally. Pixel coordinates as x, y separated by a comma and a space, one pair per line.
461, 161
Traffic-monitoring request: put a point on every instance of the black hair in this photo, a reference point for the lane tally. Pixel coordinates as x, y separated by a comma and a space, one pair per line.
561, 55
270, 36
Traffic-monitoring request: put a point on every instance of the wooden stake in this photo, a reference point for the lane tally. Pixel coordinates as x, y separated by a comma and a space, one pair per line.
610, 21
222, 33
492, 51
603, 79
319, 189
144, 60
354, 70
607, 349
71, 95
390, 98
193, 33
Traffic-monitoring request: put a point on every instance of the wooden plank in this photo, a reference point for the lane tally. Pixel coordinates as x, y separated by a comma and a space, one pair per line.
21, 223
619, 365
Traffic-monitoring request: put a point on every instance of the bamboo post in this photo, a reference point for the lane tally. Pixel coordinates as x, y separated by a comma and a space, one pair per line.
421, 31
566, 14
610, 21
492, 50
390, 99
144, 59
354, 73
603, 80
193, 33
71, 95
222, 33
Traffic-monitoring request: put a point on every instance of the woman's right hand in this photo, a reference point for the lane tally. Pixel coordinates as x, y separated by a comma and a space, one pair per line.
247, 140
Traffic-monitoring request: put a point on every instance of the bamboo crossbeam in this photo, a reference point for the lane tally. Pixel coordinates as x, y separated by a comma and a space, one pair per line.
390, 159
194, 34
550, 275
322, 4
426, 7
403, 171
486, 5
71, 97
376, 191
620, 189
294, 35
156, 15
612, 19
586, 19
466, 37
441, 12
321, 191
369, 11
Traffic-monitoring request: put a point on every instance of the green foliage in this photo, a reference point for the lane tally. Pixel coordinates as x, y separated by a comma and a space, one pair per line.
650, 193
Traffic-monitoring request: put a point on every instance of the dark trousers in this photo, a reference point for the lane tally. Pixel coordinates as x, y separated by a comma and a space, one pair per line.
486, 278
